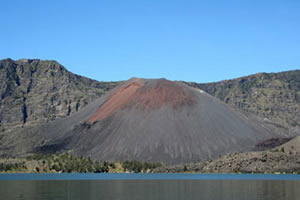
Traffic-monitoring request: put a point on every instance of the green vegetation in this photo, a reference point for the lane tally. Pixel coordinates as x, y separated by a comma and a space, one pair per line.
137, 166
2, 129
12, 167
1, 137
68, 163
185, 168
294, 123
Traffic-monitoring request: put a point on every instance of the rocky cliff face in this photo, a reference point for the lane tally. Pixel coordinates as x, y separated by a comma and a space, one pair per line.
273, 96
36, 91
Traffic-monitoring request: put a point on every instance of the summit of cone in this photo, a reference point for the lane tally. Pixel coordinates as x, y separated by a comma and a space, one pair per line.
147, 94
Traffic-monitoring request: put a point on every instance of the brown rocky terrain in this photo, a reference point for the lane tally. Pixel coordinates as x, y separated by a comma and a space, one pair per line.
33, 91
282, 159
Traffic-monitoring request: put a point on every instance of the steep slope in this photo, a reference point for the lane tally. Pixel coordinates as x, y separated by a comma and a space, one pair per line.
272, 96
36, 91
145, 119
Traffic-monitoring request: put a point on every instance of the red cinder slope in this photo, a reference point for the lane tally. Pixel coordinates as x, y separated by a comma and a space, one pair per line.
158, 93
116, 101
144, 95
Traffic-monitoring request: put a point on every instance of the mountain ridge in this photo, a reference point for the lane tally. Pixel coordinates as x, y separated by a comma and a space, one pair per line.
34, 91
272, 96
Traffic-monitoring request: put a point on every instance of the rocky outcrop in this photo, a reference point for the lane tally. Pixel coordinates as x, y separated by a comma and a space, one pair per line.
271, 143
274, 97
33, 91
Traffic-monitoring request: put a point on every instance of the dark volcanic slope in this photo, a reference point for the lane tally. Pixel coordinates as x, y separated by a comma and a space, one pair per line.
156, 120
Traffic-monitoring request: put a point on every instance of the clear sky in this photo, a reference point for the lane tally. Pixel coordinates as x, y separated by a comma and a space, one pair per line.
200, 41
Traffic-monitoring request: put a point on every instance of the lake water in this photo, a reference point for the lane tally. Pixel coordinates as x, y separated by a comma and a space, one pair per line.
149, 186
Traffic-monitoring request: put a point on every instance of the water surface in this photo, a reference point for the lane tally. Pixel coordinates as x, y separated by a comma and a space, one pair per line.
149, 186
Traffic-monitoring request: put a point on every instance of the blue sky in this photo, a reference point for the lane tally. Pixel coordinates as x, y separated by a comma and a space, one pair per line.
200, 41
